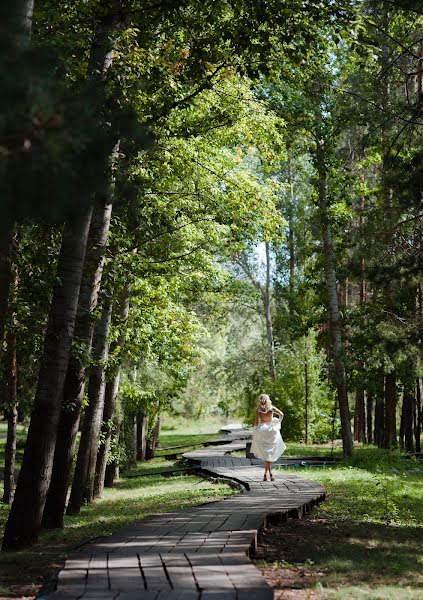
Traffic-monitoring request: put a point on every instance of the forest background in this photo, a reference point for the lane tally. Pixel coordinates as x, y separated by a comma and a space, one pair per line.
202, 202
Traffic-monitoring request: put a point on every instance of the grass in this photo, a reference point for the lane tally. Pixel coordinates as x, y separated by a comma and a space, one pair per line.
139, 493
363, 543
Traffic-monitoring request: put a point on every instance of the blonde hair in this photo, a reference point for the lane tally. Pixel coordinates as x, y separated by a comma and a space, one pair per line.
264, 404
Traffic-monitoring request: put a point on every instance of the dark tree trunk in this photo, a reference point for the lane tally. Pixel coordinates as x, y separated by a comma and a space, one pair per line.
131, 440
75, 377
333, 303
111, 392
83, 481
418, 417
408, 402
379, 423
12, 401
112, 469
369, 414
24, 521
6, 243
359, 416
141, 436
110, 395
153, 440
390, 433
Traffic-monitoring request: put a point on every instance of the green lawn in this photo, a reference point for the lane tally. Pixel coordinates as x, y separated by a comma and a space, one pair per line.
363, 543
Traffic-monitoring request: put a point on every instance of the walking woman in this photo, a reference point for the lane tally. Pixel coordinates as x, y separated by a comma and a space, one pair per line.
267, 441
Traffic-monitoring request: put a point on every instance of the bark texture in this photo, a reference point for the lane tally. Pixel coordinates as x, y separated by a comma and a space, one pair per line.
390, 433
418, 417
359, 416
75, 377
111, 392
83, 481
333, 303
141, 436
25, 516
379, 432
369, 417
407, 419
12, 402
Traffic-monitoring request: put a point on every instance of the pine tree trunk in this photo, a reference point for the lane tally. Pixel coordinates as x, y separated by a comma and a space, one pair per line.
333, 303
75, 377
12, 420
83, 481
390, 433
12, 401
359, 416
6, 243
111, 392
141, 436
407, 419
418, 418
369, 413
24, 521
379, 423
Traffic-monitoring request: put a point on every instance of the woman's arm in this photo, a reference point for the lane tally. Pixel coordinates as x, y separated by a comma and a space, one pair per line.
257, 419
277, 411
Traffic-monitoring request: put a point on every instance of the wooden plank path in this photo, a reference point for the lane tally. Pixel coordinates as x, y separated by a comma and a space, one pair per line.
196, 554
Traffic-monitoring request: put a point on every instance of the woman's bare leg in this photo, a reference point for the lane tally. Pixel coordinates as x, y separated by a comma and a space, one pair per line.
266, 469
270, 472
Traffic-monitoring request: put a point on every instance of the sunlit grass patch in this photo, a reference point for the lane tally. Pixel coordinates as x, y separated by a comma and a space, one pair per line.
364, 542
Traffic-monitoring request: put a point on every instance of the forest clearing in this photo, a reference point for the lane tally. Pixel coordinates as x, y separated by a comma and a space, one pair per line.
205, 204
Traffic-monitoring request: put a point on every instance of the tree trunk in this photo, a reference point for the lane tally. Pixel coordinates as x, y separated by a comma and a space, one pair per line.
6, 243
111, 392
306, 408
291, 244
83, 481
379, 423
152, 440
418, 417
407, 419
333, 304
141, 436
390, 433
12, 401
369, 413
73, 393
131, 440
24, 521
359, 416
112, 469
267, 298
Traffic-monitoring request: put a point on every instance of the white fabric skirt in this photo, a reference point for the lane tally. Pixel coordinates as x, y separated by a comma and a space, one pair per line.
267, 441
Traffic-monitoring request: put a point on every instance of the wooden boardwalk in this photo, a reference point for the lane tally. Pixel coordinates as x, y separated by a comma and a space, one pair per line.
200, 553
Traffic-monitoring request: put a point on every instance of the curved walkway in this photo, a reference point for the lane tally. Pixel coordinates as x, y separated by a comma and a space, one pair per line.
200, 553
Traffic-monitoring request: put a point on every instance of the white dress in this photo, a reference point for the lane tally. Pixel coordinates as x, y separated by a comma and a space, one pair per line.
267, 441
